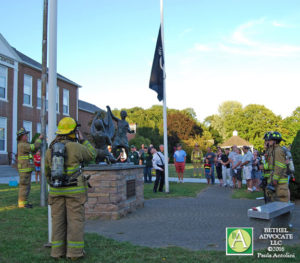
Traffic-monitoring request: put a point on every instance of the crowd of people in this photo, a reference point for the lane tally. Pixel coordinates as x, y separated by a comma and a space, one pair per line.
231, 166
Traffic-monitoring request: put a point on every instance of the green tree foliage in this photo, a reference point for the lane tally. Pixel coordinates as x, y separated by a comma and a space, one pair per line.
182, 126
252, 122
295, 149
152, 134
228, 108
139, 140
290, 126
225, 110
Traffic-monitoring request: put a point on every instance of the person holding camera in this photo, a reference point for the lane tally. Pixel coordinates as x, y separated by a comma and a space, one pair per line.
68, 188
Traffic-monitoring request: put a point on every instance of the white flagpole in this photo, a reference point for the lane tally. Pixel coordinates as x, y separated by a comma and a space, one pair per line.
164, 100
52, 85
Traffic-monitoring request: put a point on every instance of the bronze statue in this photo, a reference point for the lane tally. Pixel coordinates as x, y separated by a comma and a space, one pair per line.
102, 131
120, 141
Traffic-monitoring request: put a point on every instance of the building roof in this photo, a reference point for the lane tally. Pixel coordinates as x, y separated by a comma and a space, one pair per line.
235, 140
85, 106
34, 64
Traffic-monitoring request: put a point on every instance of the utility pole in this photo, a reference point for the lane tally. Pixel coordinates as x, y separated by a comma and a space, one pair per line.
43, 104
52, 85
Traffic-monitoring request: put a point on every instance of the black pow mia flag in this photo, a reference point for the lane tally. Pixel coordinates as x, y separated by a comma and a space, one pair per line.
157, 71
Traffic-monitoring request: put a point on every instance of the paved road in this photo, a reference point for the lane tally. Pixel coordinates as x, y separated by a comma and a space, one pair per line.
194, 223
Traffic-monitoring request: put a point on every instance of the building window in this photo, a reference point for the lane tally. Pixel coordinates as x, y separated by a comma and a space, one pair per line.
27, 125
3, 82
39, 128
57, 99
39, 94
3, 134
66, 102
27, 97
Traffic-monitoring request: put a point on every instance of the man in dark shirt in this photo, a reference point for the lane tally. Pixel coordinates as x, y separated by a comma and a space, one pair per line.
226, 174
134, 155
211, 156
146, 159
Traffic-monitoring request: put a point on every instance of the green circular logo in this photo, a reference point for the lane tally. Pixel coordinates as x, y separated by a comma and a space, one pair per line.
239, 240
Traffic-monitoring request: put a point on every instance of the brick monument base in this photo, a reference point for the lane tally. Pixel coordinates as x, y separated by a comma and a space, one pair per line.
117, 190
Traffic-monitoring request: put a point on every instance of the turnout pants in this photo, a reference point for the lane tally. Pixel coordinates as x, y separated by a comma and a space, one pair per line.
24, 188
196, 166
67, 211
160, 180
282, 193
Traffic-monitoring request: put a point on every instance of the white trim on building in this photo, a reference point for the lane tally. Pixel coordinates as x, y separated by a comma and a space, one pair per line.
3, 135
3, 82
66, 102
27, 90
27, 125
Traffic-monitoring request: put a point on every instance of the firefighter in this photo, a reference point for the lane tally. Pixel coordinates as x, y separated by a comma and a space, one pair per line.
68, 190
275, 169
25, 165
196, 158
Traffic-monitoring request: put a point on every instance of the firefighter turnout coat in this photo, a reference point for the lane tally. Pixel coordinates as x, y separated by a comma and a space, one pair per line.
275, 169
67, 203
25, 168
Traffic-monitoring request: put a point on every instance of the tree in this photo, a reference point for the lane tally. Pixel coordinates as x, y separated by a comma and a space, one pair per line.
252, 123
290, 126
139, 140
295, 149
228, 108
225, 110
182, 126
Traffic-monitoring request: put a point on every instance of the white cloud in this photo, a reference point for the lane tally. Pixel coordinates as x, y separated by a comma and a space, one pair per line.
244, 40
267, 50
280, 24
201, 47
184, 32
239, 35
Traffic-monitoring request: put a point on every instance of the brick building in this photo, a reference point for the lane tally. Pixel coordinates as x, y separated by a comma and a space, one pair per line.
20, 97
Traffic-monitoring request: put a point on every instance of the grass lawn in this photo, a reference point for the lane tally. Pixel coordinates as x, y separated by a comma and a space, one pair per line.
244, 194
176, 190
188, 172
24, 231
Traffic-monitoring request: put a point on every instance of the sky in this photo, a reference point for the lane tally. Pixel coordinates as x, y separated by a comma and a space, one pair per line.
215, 51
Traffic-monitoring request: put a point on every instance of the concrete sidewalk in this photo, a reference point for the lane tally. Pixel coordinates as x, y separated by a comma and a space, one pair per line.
193, 223
8, 173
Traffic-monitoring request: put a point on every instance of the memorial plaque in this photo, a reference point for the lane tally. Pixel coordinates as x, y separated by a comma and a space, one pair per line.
130, 188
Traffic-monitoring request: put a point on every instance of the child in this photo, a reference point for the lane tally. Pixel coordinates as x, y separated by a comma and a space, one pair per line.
37, 164
207, 170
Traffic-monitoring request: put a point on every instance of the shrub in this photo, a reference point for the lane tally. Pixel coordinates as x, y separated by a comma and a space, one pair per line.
295, 149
